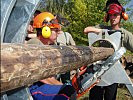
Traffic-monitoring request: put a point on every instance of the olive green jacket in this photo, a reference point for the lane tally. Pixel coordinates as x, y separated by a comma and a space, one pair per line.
65, 38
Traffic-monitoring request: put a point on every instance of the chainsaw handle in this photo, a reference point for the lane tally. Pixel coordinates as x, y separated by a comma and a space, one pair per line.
83, 67
82, 71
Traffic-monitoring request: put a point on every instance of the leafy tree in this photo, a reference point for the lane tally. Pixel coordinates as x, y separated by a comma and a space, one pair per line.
83, 14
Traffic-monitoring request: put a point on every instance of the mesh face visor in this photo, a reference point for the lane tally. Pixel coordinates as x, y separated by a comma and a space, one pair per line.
63, 21
52, 24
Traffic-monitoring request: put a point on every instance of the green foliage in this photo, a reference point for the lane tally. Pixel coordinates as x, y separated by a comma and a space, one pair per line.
129, 53
128, 26
124, 2
81, 13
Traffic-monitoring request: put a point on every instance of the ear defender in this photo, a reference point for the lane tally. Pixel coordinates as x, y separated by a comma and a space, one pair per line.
46, 32
124, 16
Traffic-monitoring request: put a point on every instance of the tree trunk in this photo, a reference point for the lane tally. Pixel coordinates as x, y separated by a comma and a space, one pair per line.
23, 64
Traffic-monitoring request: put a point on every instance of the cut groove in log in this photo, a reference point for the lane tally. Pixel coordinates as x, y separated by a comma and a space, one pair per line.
23, 64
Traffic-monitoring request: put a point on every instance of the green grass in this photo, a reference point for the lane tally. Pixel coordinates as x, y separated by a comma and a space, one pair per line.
129, 53
122, 94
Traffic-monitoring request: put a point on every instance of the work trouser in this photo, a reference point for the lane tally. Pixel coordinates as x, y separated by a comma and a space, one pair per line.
106, 92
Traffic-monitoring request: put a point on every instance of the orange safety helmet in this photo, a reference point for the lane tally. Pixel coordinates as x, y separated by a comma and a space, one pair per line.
45, 19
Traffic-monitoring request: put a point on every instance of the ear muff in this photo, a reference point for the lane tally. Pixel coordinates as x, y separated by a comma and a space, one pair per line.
46, 32
124, 16
106, 18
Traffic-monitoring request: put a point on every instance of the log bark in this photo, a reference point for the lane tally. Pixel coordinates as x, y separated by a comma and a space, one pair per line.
23, 64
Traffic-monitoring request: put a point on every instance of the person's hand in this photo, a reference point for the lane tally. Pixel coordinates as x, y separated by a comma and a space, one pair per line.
92, 29
51, 80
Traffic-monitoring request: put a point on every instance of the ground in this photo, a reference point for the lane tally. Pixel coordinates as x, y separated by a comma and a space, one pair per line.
122, 94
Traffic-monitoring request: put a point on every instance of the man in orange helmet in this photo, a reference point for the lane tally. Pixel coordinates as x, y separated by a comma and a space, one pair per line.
115, 12
47, 28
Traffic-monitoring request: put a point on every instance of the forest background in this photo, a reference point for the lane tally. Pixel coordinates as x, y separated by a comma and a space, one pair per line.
83, 13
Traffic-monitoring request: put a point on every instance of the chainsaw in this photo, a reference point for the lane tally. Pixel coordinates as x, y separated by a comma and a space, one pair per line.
88, 76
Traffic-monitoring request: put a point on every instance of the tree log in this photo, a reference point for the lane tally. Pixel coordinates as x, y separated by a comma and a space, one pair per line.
23, 64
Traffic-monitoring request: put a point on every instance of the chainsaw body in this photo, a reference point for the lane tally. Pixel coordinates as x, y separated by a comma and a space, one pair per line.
87, 77
92, 74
